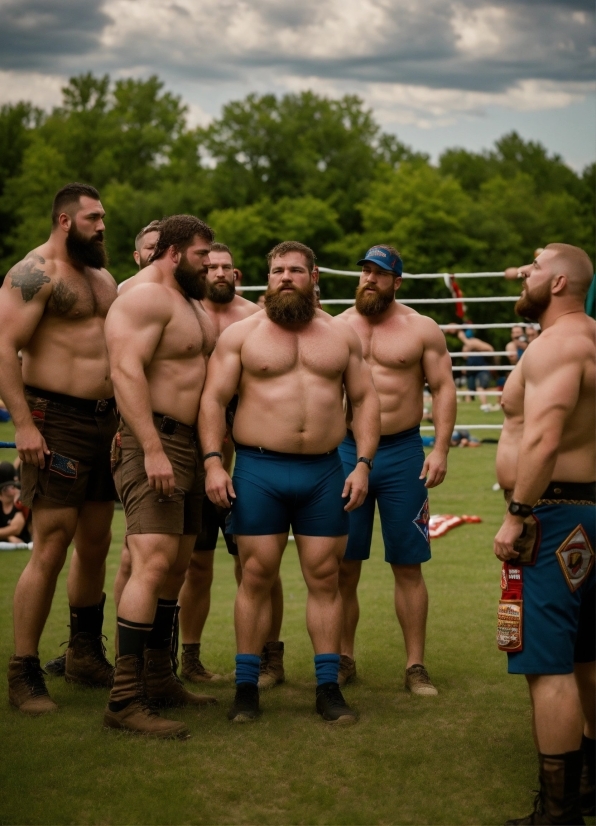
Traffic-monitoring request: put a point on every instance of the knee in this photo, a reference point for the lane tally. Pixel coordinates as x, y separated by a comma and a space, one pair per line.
199, 575
349, 577
324, 579
257, 577
408, 575
48, 559
153, 573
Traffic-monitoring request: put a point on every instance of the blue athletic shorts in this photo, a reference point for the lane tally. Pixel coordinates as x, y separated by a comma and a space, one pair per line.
557, 588
402, 498
277, 490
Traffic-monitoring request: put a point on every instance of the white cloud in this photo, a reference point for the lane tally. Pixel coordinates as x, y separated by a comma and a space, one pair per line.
40, 89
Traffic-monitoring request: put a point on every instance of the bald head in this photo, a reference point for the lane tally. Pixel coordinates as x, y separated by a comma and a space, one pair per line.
575, 264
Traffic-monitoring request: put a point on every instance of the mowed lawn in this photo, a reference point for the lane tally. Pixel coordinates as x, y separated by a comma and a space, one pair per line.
465, 756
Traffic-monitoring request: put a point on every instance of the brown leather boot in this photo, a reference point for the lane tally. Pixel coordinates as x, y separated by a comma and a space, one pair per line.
193, 669
557, 802
347, 670
129, 709
164, 688
86, 662
272, 665
26, 686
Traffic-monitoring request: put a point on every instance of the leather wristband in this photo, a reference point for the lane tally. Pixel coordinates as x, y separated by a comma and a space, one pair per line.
213, 453
519, 509
366, 461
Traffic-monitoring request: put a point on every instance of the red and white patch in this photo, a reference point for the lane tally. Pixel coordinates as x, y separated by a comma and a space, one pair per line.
576, 558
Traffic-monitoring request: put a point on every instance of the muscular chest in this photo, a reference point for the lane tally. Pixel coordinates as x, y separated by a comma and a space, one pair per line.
274, 351
188, 335
80, 297
389, 348
512, 399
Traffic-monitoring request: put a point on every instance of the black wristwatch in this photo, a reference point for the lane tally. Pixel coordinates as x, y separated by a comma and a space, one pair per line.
368, 462
517, 509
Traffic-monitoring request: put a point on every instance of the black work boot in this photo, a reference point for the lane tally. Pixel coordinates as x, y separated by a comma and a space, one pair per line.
557, 802
332, 707
246, 704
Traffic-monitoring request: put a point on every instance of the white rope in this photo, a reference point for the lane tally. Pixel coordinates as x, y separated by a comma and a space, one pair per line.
475, 300
468, 427
508, 325
478, 392
479, 367
422, 275
485, 353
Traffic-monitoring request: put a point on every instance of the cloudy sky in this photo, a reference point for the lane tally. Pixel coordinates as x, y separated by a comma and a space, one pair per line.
438, 73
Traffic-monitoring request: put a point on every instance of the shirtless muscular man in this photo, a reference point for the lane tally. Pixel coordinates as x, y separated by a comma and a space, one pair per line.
159, 339
290, 366
546, 466
404, 350
52, 307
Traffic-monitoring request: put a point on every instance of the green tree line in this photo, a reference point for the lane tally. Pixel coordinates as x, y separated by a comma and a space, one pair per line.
299, 166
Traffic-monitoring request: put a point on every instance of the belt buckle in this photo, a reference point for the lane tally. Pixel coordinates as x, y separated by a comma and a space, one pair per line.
168, 425
101, 406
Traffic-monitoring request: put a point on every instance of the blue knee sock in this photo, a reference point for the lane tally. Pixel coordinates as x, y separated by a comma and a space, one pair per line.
326, 668
247, 668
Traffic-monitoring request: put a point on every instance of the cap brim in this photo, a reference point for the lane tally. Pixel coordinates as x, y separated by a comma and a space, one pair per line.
372, 261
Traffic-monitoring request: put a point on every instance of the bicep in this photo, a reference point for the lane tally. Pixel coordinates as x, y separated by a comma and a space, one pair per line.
436, 361
132, 337
551, 395
357, 376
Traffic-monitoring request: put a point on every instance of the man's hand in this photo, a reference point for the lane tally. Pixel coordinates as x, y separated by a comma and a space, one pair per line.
159, 472
434, 469
356, 487
509, 532
218, 485
31, 445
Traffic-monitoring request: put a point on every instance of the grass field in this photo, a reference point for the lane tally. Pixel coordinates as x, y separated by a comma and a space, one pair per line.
465, 756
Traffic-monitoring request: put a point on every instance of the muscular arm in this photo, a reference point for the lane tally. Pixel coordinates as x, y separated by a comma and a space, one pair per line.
552, 381
134, 326
366, 418
436, 365
223, 377
23, 298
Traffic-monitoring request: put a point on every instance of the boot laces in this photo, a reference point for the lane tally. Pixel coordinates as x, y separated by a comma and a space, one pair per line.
33, 678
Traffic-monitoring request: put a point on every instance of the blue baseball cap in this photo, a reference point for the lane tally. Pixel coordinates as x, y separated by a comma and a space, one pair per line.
383, 257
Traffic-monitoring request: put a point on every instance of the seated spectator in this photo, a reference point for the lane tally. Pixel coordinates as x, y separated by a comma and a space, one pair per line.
4, 414
515, 348
13, 514
463, 438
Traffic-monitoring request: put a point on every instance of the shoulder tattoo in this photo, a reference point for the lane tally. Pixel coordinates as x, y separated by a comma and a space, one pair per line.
27, 276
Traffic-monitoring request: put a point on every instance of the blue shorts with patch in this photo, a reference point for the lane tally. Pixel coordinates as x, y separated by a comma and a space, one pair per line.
402, 498
277, 490
558, 592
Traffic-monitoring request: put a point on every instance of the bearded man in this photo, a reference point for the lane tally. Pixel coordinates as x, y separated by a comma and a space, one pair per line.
290, 366
159, 339
405, 350
546, 466
52, 307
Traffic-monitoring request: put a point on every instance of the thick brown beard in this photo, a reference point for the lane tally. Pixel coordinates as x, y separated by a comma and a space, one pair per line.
534, 306
192, 281
373, 303
220, 293
296, 307
89, 252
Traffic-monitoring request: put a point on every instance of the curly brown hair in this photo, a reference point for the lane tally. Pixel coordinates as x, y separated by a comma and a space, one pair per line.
178, 231
293, 246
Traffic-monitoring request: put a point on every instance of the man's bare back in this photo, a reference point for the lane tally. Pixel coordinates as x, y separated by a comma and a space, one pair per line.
564, 350
290, 384
63, 310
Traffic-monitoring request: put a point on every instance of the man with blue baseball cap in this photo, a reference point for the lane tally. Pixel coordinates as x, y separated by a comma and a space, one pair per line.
405, 350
